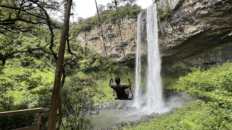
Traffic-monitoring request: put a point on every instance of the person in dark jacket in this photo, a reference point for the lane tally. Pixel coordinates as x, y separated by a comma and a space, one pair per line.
120, 88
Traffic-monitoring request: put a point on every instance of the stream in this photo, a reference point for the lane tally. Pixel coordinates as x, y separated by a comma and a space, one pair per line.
111, 117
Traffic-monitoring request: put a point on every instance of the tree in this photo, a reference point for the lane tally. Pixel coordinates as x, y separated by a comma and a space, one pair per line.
78, 100
24, 16
79, 20
132, 1
28, 16
109, 6
56, 94
101, 8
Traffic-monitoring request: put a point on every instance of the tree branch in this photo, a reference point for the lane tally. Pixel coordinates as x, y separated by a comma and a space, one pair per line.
69, 49
34, 49
49, 26
70, 61
60, 101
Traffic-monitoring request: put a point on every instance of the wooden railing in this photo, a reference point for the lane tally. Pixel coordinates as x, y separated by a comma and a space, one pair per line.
25, 111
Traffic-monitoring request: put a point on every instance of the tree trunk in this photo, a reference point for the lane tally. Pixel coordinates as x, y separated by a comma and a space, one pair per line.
59, 68
60, 101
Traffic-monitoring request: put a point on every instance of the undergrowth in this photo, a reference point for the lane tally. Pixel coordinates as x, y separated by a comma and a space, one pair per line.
210, 50
213, 111
196, 115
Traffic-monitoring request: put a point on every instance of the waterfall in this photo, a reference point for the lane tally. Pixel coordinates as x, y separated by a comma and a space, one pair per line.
152, 101
154, 86
138, 63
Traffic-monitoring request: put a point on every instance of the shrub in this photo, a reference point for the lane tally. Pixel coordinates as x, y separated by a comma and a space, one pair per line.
214, 87
109, 16
84, 65
96, 65
155, 1
164, 13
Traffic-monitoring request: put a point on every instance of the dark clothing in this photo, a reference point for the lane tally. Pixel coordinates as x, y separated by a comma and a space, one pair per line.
120, 89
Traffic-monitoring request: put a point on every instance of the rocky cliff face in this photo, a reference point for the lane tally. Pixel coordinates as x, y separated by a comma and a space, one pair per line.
193, 26
204, 60
112, 40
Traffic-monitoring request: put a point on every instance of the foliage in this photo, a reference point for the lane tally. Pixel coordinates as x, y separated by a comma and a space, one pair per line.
78, 101
7, 101
173, 75
109, 16
29, 73
164, 13
92, 61
216, 78
211, 85
195, 115
22, 17
18, 121
105, 93
212, 112
96, 64
84, 65
210, 50
155, 1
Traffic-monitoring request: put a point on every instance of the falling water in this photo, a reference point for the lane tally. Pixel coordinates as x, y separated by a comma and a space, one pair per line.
138, 63
154, 86
153, 96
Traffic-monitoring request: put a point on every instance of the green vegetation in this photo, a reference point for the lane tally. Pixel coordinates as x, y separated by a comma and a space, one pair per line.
28, 70
103, 84
108, 16
210, 50
173, 75
164, 13
213, 84
196, 115
155, 1
29, 47
28, 85
213, 111
28, 80
16, 86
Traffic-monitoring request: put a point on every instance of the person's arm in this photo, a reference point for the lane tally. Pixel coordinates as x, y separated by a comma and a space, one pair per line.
129, 81
110, 81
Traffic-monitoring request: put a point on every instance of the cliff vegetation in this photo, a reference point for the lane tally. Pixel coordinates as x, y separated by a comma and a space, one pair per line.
109, 16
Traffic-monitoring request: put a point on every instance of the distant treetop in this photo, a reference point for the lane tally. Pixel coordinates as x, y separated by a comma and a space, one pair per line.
108, 14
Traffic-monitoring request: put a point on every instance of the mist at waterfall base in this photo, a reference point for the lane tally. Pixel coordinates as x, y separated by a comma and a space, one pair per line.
149, 101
